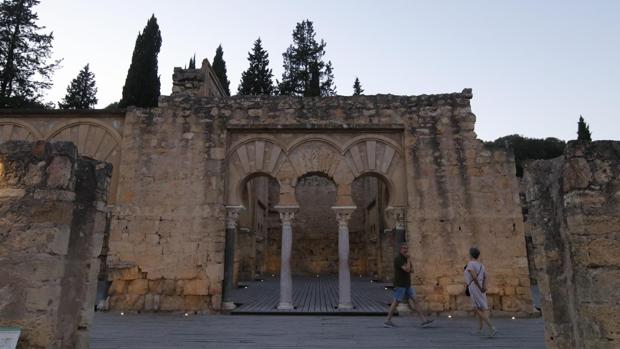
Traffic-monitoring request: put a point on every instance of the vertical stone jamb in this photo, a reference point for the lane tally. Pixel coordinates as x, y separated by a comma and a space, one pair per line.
400, 222
343, 214
232, 218
399, 216
287, 214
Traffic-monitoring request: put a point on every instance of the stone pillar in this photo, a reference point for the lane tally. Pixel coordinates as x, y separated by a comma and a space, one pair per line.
343, 214
287, 214
399, 216
232, 218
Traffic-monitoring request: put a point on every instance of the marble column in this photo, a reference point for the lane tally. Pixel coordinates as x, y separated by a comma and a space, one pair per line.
232, 218
287, 214
343, 214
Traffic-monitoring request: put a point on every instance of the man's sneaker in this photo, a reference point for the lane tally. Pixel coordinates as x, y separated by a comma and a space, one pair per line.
388, 324
493, 332
426, 323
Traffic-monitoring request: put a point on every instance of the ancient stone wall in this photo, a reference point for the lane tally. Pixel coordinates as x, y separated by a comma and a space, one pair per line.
52, 221
574, 219
167, 236
96, 133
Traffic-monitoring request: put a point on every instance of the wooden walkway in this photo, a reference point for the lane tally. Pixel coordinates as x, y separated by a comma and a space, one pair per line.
317, 295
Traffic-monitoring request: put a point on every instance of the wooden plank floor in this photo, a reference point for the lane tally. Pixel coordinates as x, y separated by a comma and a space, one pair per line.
318, 295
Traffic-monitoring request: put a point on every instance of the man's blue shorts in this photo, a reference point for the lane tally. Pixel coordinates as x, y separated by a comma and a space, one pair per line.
401, 294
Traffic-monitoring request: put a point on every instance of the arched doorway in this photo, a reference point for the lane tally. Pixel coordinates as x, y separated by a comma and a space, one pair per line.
332, 202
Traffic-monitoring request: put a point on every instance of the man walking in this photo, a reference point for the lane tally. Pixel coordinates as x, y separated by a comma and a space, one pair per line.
402, 287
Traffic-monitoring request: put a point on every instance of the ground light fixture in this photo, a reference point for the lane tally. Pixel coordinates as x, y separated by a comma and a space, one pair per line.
449, 316
122, 314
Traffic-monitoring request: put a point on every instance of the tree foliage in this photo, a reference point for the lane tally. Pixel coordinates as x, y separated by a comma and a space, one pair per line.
192, 62
142, 86
81, 92
357, 87
25, 52
258, 78
305, 71
583, 130
219, 67
529, 148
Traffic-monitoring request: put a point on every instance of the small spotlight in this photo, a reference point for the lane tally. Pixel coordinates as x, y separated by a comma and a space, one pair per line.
122, 314
514, 318
245, 287
449, 316
186, 314
386, 288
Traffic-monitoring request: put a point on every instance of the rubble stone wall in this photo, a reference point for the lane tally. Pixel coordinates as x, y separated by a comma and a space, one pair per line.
52, 222
574, 220
167, 235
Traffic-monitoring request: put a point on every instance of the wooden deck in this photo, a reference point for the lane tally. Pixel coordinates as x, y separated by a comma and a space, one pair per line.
316, 296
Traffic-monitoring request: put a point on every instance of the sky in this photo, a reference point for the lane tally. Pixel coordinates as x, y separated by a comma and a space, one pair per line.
534, 66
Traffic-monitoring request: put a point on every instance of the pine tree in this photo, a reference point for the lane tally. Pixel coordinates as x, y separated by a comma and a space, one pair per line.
219, 67
142, 84
192, 62
257, 79
25, 67
328, 87
81, 92
305, 72
357, 87
583, 130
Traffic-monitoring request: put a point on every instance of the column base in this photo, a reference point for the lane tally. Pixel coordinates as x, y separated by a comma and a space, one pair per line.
228, 305
285, 306
403, 308
345, 306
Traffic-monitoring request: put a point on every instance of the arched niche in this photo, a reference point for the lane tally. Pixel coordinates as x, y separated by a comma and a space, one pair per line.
94, 139
18, 130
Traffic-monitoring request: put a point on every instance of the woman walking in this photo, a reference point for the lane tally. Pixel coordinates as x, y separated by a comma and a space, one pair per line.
476, 278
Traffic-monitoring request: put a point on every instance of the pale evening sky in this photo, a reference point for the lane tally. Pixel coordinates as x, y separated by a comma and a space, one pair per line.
534, 66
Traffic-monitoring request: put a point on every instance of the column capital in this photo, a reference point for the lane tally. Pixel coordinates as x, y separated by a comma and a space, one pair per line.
343, 213
287, 212
232, 216
399, 214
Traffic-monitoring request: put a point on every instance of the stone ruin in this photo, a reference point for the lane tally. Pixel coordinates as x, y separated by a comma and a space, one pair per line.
52, 222
208, 189
573, 217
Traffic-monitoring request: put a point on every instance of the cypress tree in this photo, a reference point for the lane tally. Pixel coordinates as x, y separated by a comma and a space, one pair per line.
583, 130
25, 69
219, 67
357, 87
142, 84
257, 79
192, 62
81, 92
305, 72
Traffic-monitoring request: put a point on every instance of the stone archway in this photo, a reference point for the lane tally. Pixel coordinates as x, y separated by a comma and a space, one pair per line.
94, 139
343, 157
